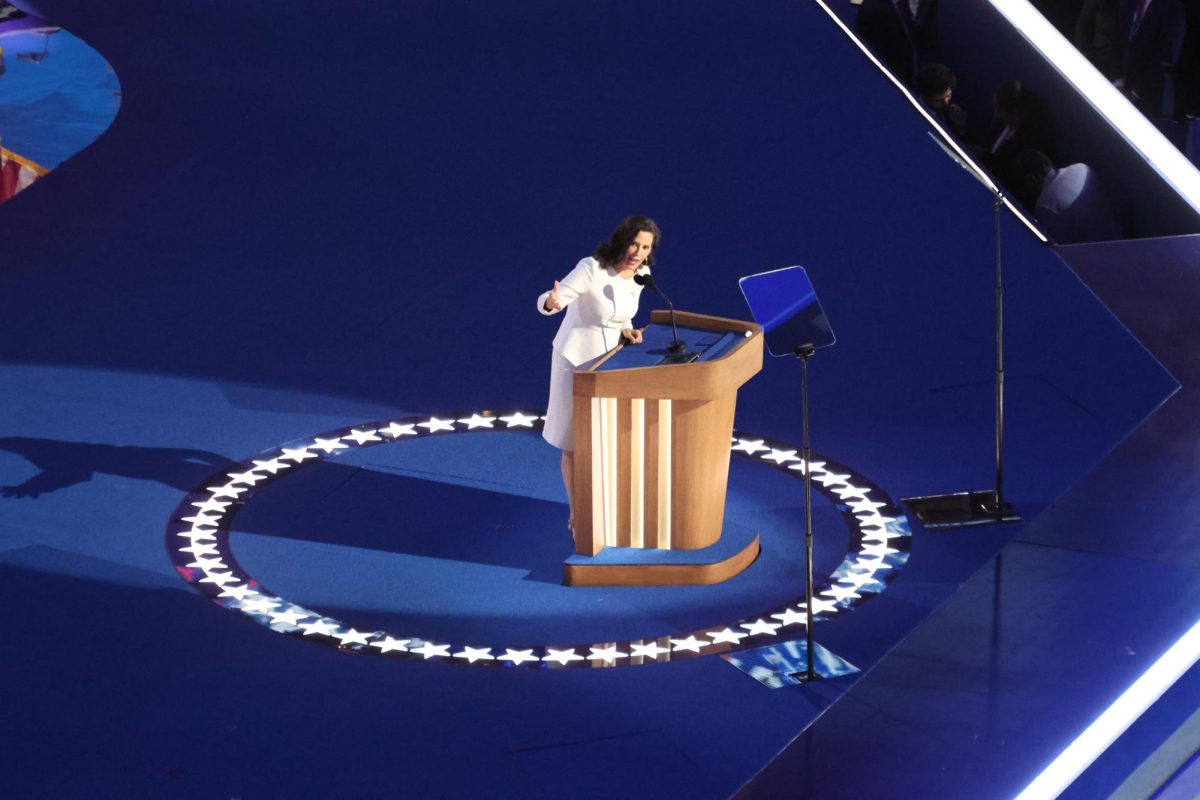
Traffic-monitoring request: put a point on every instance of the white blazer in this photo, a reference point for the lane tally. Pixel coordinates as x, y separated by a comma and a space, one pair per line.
599, 306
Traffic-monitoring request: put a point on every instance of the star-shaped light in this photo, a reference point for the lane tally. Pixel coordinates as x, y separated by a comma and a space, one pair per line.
519, 420
850, 491
396, 430
207, 564
518, 656
352, 637
328, 445
881, 535
201, 520
362, 437
272, 466
228, 490
858, 579
791, 616
820, 606
473, 654
249, 478
842, 593
214, 506
290, 617
219, 578
817, 466
389, 644
780, 456
193, 534
319, 627
728, 635
607, 654
428, 650
562, 656
201, 549
873, 564
761, 626
647, 650
877, 550
433, 424
238, 593
690, 643
261, 605
297, 454
476, 421
830, 478
750, 446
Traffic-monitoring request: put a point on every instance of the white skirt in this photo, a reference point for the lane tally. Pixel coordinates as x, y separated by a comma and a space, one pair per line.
557, 430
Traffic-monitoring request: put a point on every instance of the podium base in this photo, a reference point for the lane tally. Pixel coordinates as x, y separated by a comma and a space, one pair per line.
638, 566
960, 509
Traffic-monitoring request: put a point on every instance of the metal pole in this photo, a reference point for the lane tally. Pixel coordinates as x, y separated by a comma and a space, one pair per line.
999, 365
810, 655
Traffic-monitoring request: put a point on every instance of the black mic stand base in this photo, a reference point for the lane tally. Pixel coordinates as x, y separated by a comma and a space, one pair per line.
961, 509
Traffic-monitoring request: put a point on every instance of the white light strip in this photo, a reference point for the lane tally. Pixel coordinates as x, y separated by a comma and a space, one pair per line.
1142, 694
949, 139
1165, 158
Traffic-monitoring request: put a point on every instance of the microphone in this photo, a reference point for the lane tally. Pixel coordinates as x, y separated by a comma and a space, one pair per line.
676, 347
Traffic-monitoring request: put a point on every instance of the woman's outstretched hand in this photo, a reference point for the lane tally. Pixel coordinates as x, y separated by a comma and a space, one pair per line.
632, 335
552, 303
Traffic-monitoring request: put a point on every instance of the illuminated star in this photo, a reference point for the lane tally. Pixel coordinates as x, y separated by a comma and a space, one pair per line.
780, 456
607, 654
728, 635
750, 446
246, 477
818, 466
858, 579
396, 430
840, 593
228, 490
389, 644
877, 550
760, 626
328, 445
820, 606
207, 564
882, 535
219, 578
201, 549
194, 534
690, 643
262, 605
476, 421
290, 617
519, 420
429, 650
874, 564
297, 454
562, 656
201, 520
851, 491
362, 437
434, 424
473, 654
651, 650
320, 627
866, 506
238, 593
352, 637
212, 505
791, 617
830, 478
518, 656
272, 466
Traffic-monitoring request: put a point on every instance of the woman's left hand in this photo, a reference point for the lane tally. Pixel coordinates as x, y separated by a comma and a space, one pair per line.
632, 335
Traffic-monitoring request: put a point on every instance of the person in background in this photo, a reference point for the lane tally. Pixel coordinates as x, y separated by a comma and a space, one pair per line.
935, 87
1070, 203
902, 33
1020, 124
1096, 34
600, 297
1150, 34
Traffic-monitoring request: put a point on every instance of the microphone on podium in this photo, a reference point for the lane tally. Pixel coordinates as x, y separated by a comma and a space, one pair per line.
676, 347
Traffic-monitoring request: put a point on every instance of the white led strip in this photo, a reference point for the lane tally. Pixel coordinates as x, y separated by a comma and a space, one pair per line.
199, 530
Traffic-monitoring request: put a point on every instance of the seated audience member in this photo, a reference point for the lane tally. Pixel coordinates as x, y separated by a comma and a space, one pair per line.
935, 87
1020, 124
1069, 203
900, 32
1150, 36
1096, 34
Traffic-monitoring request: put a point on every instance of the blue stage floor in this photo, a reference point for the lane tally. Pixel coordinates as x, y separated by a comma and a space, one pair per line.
303, 223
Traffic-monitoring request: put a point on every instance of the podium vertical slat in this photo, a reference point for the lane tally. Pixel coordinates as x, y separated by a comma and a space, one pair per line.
623, 431
637, 472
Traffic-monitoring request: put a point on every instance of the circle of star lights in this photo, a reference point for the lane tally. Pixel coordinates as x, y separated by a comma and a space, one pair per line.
198, 541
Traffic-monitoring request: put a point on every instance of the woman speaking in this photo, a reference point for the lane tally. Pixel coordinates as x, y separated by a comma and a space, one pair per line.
600, 297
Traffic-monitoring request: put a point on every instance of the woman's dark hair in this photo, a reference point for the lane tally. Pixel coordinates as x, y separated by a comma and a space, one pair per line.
614, 249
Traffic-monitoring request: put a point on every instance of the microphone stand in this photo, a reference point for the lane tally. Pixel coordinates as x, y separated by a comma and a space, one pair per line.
677, 349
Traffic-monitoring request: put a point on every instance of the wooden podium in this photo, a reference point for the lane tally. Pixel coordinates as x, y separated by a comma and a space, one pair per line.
652, 447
